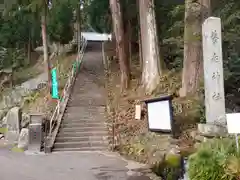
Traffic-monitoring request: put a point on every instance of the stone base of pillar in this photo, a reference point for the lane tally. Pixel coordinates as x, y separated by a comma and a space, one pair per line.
212, 130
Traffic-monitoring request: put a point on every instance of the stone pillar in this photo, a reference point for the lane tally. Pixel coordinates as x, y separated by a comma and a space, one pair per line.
35, 133
13, 124
213, 78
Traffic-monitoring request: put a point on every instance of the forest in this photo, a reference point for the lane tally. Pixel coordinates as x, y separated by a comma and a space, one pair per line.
156, 49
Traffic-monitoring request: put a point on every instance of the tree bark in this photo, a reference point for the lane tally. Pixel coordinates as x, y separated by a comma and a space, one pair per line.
206, 10
29, 49
140, 50
150, 48
120, 43
128, 41
129, 29
45, 45
78, 13
139, 38
195, 14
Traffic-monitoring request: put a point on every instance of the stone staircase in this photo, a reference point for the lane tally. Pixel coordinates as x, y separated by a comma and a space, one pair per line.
83, 127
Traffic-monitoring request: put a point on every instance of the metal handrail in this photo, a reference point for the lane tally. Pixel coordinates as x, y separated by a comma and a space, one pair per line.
72, 76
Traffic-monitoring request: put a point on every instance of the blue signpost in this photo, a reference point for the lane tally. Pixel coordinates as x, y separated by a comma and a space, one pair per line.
55, 94
54, 84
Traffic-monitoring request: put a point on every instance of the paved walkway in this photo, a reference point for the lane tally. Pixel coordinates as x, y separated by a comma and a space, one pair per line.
68, 166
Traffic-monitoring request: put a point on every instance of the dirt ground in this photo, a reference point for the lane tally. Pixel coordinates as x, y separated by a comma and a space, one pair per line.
41, 101
132, 137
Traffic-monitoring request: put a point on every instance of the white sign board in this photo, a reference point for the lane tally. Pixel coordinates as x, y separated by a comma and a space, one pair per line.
233, 123
138, 112
94, 36
159, 115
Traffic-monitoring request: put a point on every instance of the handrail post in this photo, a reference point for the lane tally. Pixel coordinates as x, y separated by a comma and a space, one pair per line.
61, 104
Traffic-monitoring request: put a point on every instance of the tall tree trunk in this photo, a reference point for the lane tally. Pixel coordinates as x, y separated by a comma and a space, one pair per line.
128, 41
150, 48
78, 13
45, 45
195, 13
140, 50
206, 10
129, 32
29, 49
25, 48
139, 39
121, 49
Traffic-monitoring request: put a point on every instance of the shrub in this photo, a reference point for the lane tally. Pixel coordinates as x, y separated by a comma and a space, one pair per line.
170, 167
215, 159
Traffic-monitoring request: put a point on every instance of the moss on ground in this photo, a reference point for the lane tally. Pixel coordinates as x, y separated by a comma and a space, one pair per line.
18, 150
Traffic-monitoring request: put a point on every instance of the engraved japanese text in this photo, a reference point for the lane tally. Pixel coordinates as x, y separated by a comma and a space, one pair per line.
214, 37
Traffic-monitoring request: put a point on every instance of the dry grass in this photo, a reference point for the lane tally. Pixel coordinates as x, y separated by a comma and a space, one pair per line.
25, 73
41, 101
131, 137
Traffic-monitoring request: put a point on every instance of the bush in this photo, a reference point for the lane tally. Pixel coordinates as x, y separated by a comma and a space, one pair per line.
170, 167
11, 57
60, 23
215, 159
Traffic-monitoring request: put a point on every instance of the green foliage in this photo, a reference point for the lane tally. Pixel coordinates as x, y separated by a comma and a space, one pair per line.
3, 130
173, 160
17, 150
99, 15
60, 25
15, 34
215, 159
232, 166
11, 57
172, 38
169, 168
15, 30
171, 34
32, 97
16, 57
230, 15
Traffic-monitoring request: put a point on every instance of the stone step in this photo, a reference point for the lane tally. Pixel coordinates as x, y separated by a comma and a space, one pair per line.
82, 134
87, 110
82, 129
84, 96
80, 149
82, 93
74, 119
95, 92
79, 139
80, 123
81, 86
86, 102
80, 144
81, 83
87, 126
83, 116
